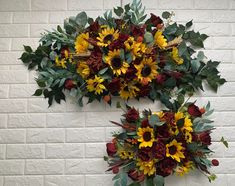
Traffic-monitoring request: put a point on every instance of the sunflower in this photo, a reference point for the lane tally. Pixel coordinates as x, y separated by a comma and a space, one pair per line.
160, 114
116, 63
123, 154
188, 137
106, 36
148, 167
160, 41
128, 90
60, 63
178, 116
95, 85
146, 70
184, 169
83, 69
146, 137
81, 43
175, 56
174, 150
187, 124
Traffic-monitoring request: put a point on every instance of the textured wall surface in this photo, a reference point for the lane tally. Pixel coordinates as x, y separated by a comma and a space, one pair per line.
64, 145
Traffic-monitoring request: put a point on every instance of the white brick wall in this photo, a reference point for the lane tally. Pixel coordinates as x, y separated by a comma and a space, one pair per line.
64, 145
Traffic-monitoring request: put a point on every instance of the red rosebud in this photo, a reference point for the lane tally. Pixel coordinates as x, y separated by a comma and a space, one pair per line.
202, 110
145, 123
111, 149
205, 138
176, 75
193, 110
155, 20
115, 169
94, 27
160, 79
135, 175
69, 84
132, 115
114, 86
215, 162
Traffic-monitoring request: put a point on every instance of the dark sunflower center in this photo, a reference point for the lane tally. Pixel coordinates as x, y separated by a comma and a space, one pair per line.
147, 136
172, 150
126, 88
116, 63
146, 71
107, 38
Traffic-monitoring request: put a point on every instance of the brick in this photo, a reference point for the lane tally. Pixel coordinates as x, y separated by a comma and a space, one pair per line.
63, 151
109, 131
11, 167
15, 5
30, 17
9, 58
22, 90
225, 56
224, 43
36, 30
196, 15
41, 105
85, 135
95, 150
178, 4
5, 44
64, 180
148, 4
101, 119
18, 43
27, 151
225, 132
224, 167
227, 72
12, 136
2, 152
23, 181
219, 150
4, 89
229, 152
207, 4
66, 120
228, 89
5, 17
83, 5
109, 4
9, 30
99, 180
49, 5
79, 166
223, 16
173, 180
45, 135
43, 167
13, 76
214, 29
231, 179
11, 105
3, 121
26, 120
224, 118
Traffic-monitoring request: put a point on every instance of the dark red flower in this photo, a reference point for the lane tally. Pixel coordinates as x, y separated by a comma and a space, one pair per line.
160, 79
111, 149
163, 131
130, 74
176, 75
94, 27
64, 52
165, 167
132, 115
145, 123
144, 90
215, 162
69, 84
159, 150
194, 110
155, 20
95, 61
137, 30
135, 175
115, 169
145, 154
114, 86
205, 138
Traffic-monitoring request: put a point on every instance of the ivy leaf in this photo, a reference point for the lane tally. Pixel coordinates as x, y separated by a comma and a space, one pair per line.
148, 37
158, 180
28, 49
153, 119
224, 142
166, 15
118, 11
189, 24
38, 92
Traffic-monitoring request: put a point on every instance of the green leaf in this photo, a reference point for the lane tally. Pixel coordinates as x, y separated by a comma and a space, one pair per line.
180, 99
101, 72
224, 142
25, 57
155, 121
166, 15
195, 64
118, 11
38, 92
197, 42
158, 180
28, 49
149, 182
148, 37
180, 123
189, 24
41, 83
212, 177
118, 105
59, 29
135, 184
81, 19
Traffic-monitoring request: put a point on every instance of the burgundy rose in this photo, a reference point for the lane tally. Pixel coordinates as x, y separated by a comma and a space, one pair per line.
176, 75
155, 20
130, 74
136, 175
163, 131
159, 150
137, 30
123, 37
114, 86
205, 138
166, 166
145, 154
145, 123
132, 115
94, 27
160, 79
111, 149
193, 110
69, 84
144, 90
115, 169
215, 162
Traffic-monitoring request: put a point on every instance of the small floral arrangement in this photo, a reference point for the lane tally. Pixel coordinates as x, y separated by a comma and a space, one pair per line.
158, 144
126, 55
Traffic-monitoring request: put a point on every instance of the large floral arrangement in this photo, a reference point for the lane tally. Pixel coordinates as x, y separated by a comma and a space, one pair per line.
126, 55
154, 145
